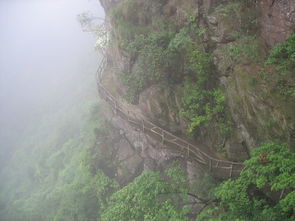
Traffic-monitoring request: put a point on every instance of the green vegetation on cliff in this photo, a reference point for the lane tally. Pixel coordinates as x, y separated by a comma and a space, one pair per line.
151, 196
163, 52
283, 57
264, 190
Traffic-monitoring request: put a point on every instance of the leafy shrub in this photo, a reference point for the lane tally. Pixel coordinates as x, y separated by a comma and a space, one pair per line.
204, 106
264, 190
286, 89
151, 196
283, 55
202, 100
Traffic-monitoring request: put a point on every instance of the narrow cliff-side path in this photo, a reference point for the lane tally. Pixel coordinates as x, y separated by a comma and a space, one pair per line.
218, 167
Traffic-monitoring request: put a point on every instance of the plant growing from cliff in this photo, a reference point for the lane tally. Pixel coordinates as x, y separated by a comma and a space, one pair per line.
202, 106
161, 55
247, 48
264, 190
283, 56
153, 61
97, 26
202, 101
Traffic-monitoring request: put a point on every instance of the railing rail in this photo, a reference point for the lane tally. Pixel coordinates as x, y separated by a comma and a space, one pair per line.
168, 139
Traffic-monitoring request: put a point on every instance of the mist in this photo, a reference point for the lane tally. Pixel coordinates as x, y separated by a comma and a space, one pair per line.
44, 59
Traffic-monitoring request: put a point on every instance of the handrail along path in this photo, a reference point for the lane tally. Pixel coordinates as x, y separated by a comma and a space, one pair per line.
218, 167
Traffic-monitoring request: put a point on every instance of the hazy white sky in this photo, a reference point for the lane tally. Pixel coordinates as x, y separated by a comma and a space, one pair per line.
40, 40
43, 52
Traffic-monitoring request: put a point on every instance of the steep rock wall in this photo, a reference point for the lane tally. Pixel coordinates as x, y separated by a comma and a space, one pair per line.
126, 152
258, 114
277, 20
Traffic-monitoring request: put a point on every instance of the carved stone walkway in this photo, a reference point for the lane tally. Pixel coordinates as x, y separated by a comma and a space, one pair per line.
219, 168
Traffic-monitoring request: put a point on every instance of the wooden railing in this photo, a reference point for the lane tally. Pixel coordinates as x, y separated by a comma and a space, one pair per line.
219, 168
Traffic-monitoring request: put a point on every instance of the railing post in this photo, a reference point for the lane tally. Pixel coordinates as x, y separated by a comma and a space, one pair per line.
188, 150
210, 164
142, 125
115, 107
128, 115
231, 171
162, 132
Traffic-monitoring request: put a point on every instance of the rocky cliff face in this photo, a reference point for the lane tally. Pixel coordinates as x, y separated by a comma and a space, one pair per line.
259, 114
127, 152
277, 20
239, 35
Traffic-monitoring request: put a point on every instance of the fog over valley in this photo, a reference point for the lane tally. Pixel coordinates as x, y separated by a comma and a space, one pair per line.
44, 59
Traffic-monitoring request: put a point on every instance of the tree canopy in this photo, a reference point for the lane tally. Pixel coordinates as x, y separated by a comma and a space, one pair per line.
151, 196
263, 191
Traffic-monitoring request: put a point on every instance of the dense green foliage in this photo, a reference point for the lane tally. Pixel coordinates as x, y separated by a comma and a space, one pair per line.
283, 57
165, 195
203, 107
264, 190
203, 101
151, 196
